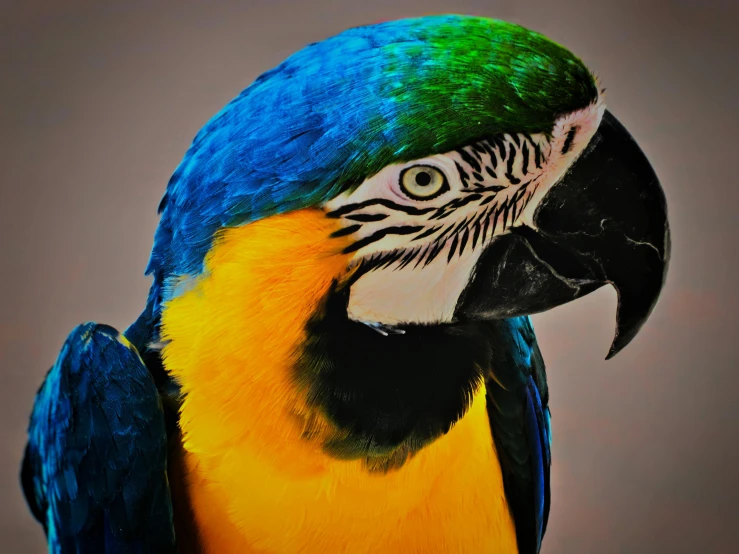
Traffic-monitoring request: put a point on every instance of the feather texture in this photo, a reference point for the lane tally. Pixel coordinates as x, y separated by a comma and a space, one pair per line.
519, 419
94, 472
319, 124
341, 109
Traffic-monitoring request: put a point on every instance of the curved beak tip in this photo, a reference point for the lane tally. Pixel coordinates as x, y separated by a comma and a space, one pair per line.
616, 347
622, 339
604, 223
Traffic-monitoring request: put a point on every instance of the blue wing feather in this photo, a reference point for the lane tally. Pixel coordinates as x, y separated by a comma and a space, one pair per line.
519, 420
94, 472
535, 434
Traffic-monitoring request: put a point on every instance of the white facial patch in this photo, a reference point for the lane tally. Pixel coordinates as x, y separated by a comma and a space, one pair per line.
418, 228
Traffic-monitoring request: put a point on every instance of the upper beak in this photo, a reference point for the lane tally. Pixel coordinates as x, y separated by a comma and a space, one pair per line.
605, 222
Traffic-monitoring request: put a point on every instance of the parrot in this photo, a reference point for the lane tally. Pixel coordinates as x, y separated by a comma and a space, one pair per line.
336, 354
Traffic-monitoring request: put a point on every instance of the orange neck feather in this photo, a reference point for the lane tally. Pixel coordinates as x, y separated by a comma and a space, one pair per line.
234, 336
257, 478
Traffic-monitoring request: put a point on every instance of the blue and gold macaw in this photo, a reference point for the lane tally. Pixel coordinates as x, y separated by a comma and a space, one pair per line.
336, 354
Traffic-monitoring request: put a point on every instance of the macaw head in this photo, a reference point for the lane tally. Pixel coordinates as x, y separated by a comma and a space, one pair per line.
470, 166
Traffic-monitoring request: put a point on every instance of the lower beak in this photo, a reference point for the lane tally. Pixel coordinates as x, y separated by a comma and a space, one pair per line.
605, 222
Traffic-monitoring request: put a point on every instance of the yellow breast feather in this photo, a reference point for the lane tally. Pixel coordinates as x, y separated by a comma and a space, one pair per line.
258, 478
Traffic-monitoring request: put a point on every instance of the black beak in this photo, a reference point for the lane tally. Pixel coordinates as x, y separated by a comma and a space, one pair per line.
605, 222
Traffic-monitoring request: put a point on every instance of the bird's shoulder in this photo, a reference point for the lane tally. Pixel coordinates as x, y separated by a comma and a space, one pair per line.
94, 472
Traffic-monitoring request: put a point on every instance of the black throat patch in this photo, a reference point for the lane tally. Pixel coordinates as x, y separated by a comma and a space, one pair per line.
388, 395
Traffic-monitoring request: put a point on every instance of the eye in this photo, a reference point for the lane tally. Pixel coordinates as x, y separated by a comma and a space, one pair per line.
423, 182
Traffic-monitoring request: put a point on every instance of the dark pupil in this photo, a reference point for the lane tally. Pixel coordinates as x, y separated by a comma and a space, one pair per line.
423, 178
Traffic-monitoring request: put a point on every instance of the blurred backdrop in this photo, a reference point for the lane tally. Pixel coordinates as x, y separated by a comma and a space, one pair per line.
99, 100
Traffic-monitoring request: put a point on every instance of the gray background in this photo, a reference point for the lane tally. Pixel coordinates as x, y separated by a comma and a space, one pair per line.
99, 101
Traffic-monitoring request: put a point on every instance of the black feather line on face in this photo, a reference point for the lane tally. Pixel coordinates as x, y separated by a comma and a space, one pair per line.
381, 234
568, 140
537, 156
423, 255
456, 203
345, 231
463, 241
477, 228
469, 159
505, 208
485, 225
408, 258
349, 208
426, 233
461, 225
479, 225
463, 175
453, 248
444, 233
366, 217
494, 213
476, 233
434, 253
477, 151
509, 170
501, 146
491, 153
